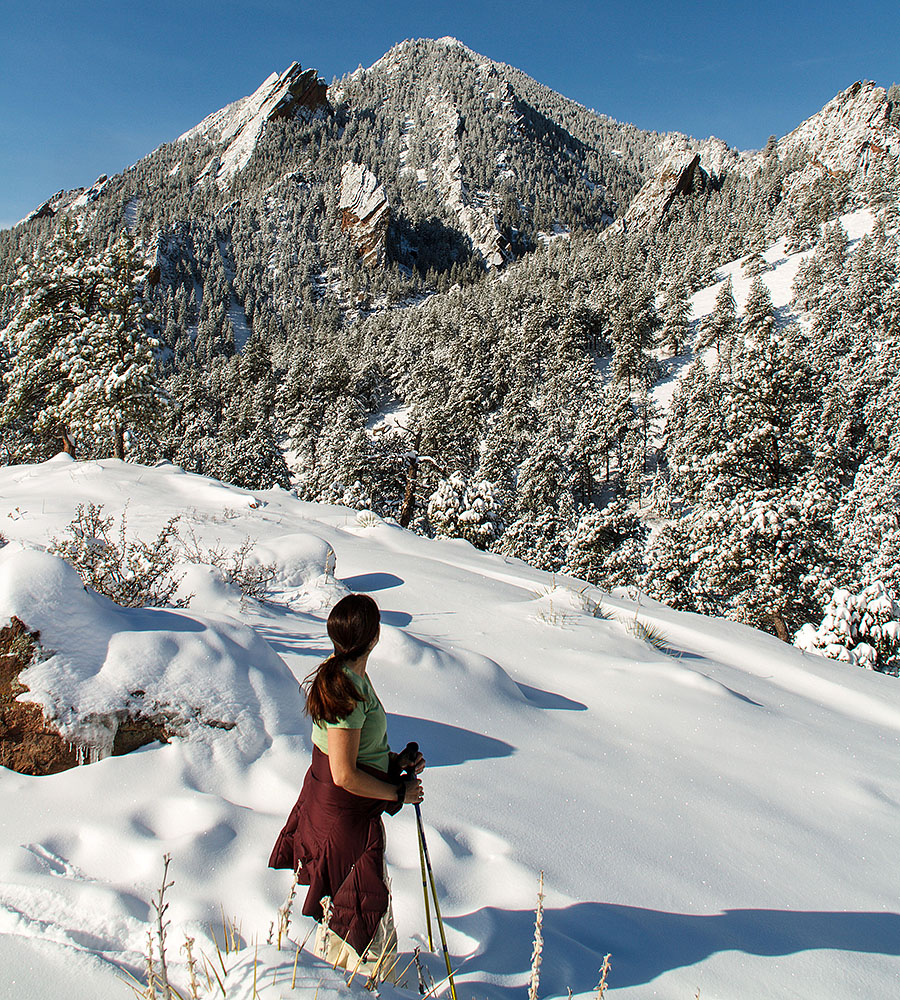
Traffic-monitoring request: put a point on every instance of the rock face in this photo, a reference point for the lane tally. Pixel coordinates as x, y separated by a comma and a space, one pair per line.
848, 135
687, 168
474, 209
29, 742
294, 93
847, 139
64, 201
653, 201
366, 213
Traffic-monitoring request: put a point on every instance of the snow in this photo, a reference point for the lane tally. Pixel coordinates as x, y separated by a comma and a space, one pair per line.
842, 137
722, 814
131, 212
779, 280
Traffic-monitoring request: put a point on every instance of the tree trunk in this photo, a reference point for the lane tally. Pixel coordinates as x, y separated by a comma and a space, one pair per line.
119, 442
408, 507
68, 443
781, 629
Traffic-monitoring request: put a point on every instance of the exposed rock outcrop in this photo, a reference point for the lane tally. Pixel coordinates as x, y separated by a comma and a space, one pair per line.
653, 201
366, 213
687, 168
474, 210
295, 93
64, 201
849, 135
29, 742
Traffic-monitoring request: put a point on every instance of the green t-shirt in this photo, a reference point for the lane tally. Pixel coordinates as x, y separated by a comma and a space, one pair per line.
368, 717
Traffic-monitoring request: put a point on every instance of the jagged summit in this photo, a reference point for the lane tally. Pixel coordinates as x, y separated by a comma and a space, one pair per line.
849, 134
238, 126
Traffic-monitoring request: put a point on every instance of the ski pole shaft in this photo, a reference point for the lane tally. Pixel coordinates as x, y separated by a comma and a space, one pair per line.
425, 890
414, 748
437, 905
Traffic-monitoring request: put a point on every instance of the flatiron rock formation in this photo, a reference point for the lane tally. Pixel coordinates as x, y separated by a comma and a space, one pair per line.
294, 93
366, 213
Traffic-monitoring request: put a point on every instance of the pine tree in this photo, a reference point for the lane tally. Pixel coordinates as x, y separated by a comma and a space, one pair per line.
117, 382
676, 311
634, 327
720, 326
58, 290
606, 547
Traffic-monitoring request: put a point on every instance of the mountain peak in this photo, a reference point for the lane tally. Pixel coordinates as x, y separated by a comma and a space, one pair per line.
294, 93
849, 133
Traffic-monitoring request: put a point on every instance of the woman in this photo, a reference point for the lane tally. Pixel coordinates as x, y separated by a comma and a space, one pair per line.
334, 836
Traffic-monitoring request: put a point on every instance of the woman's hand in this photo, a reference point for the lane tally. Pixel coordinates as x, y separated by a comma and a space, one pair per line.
405, 762
414, 792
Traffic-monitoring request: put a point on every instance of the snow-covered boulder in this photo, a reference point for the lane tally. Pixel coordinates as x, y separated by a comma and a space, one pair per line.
102, 669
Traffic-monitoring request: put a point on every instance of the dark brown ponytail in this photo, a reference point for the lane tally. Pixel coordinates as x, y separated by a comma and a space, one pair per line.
352, 627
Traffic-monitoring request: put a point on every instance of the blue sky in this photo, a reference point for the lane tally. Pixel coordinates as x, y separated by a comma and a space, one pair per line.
88, 88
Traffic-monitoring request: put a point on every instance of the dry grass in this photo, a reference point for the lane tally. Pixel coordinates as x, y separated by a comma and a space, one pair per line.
604, 972
538, 944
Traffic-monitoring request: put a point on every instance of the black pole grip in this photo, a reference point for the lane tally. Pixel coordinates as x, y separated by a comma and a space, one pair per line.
411, 750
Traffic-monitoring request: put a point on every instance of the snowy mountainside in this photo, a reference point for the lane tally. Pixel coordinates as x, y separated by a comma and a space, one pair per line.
238, 126
853, 128
720, 813
781, 270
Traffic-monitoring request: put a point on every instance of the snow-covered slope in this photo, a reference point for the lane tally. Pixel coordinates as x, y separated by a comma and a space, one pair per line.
778, 279
848, 133
721, 817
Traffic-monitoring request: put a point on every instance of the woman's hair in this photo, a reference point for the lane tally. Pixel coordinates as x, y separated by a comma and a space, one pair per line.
352, 627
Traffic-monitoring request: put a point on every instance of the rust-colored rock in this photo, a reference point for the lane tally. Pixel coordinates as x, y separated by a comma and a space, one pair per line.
366, 213
29, 743
303, 90
295, 93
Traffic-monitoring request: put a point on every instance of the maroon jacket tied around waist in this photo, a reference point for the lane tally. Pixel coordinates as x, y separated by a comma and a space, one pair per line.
334, 840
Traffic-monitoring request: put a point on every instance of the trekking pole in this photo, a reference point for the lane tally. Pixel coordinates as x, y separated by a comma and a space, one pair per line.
414, 748
425, 889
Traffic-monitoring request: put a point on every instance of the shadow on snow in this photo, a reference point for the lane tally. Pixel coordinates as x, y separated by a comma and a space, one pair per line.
646, 944
443, 745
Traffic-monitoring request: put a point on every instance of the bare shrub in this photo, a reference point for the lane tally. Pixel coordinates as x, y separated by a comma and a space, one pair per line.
131, 572
252, 579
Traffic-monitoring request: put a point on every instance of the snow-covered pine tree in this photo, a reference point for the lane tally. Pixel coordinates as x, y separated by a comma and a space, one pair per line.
764, 557
634, 328
718, 329
460, 509
115, 375
57, 289
606, 547
675, 313
861, 628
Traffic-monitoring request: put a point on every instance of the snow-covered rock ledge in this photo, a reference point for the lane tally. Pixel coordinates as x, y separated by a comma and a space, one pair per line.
102, 669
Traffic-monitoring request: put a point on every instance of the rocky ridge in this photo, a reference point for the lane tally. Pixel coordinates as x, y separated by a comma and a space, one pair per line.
687, 168
844, 140
65, 201
848, 135
237, 127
